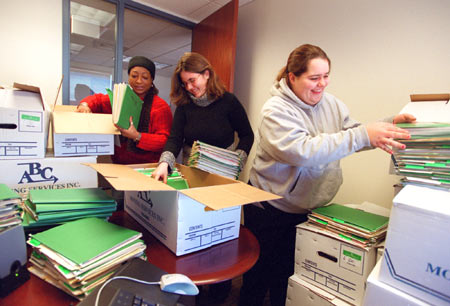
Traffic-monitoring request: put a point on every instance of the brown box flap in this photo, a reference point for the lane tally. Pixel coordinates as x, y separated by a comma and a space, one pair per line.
430, 97
66, 121
228, 195
124, 177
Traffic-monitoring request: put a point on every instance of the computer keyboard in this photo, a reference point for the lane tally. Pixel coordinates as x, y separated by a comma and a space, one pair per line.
126, 298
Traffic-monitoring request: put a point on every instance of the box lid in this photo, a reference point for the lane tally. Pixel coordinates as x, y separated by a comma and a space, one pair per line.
230, 193
429, 107
424, 198
22, 96
66, 121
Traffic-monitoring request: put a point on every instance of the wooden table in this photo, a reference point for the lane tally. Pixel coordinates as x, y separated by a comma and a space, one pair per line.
215, 264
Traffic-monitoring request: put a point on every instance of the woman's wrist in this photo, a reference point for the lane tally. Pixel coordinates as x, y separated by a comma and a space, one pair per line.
138, 137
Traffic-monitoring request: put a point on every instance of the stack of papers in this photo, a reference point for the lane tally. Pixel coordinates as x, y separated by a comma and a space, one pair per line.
125, 104
354, 226
80, 255
174, 180
215, 160
9, 207
56, 206
426, 158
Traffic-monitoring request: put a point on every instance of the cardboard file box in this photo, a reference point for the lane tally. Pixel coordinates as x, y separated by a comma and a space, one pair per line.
23, 123
417, 253
188, 220
379, 293
303, 293
79, 134
333, 265
48, 173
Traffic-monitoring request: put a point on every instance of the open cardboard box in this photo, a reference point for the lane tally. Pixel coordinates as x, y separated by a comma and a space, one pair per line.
188, 220
79, 134
429, 107
23, 122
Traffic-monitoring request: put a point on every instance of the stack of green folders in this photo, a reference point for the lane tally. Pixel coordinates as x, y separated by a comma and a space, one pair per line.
80, 255
9, 207
175, 179
215, 160
355, 226
56, 206
426, 158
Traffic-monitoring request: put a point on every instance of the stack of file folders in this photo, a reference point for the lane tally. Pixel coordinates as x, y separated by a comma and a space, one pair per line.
354, 226
426, 158
175, 179
46, 207
9, 207
215, 160
80, 255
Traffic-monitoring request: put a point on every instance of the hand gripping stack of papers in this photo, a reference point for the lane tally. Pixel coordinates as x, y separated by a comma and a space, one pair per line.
46, 207
80, 255
175, 179
354, 226
426, 158
9, 207
215, 160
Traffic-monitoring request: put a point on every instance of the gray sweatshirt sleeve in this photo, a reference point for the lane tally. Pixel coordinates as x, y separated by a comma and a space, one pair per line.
303, 139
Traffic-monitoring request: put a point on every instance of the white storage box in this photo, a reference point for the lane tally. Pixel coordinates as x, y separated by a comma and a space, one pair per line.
188, 220
48, 173
417, 252
23, 123
301, 293
79, 134
379, 293
333, 265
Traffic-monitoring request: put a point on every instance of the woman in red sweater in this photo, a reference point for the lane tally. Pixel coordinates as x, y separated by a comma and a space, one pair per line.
144, 143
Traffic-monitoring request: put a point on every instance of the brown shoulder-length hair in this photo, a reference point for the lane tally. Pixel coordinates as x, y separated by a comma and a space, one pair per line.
299, 59
197, 63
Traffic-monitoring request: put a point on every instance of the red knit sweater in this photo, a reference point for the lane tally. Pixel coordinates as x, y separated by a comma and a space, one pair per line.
152, 142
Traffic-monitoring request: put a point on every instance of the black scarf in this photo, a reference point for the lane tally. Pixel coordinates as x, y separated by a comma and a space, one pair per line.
144, 121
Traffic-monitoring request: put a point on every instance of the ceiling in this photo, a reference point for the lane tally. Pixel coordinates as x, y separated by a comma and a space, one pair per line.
93, 33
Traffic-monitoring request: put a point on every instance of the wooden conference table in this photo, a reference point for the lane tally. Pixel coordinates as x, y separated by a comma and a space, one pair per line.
215, 264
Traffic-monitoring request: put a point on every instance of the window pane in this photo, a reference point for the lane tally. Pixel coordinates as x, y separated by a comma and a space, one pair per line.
92, 46
161, 41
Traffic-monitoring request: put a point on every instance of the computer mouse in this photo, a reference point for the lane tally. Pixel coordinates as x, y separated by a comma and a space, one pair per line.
178, 283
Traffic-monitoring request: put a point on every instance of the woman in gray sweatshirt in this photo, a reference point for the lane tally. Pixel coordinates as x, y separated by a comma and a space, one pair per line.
303, 135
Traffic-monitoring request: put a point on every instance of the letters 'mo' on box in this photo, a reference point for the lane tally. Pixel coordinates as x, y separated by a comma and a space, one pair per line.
23, 123
417, 253
188, 220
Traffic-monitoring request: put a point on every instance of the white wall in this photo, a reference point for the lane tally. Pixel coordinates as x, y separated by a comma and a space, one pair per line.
31, 50
381, 51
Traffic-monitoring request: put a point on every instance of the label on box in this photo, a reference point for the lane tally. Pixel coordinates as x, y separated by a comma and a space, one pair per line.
30, 121
352, 259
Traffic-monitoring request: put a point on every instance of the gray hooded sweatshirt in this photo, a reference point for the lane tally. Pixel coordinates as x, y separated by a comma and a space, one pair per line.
300, 147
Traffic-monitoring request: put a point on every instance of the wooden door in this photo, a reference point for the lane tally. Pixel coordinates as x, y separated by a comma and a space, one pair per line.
215, 38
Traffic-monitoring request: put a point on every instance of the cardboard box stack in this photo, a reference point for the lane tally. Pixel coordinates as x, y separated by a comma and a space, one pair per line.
414, 269
187, 220
416, 255
23, 122
335, 252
